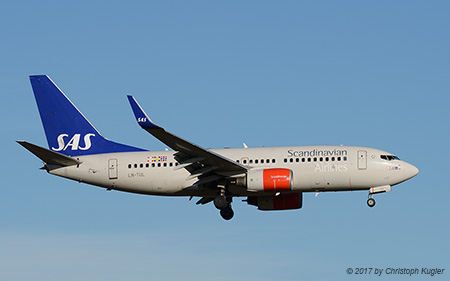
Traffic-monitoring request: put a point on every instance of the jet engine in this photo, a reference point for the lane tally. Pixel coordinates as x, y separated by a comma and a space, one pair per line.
276, 179
281, 202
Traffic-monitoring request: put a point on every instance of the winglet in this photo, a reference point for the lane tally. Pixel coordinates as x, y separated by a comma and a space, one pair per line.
141, 117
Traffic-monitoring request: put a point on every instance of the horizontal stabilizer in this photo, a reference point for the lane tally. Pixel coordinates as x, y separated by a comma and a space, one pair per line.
48, 156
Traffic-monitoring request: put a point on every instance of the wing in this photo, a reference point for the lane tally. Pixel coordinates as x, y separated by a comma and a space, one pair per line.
202, 163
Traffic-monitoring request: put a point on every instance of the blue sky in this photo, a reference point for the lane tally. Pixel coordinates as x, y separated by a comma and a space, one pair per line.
267, 73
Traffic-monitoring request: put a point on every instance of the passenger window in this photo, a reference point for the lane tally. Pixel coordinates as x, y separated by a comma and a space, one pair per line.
291, 160
345, 158
273, 160
170, 164
159, 164
153, 165
339, 158
147, 165
327, 159
135, 165
309, 159
256, 161
129, 166
297, 160
321, 159
165, 164
315, 159
303, 159
285, 160
332, 158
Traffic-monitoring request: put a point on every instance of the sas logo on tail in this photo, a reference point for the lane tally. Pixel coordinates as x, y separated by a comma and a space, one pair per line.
74, 142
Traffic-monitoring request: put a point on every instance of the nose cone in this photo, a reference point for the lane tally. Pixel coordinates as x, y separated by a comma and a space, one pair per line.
409, 171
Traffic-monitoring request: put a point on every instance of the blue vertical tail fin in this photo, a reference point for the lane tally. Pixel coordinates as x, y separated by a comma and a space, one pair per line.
67, 130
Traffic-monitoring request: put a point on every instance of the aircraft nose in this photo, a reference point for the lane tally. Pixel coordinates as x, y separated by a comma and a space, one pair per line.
410, 171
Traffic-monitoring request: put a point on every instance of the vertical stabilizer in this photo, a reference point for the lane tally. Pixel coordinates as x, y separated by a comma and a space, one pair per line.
67, 130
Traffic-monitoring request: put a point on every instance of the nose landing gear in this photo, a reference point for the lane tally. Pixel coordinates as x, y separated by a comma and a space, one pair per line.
370, 201
375, 190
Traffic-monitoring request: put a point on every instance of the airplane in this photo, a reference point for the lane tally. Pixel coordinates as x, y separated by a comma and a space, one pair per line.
271, 178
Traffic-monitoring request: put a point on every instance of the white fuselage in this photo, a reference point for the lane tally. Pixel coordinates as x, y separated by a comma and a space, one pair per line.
314, 168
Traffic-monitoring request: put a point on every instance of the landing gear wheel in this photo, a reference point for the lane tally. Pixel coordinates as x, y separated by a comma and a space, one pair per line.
220, 202
227, 213
371, 202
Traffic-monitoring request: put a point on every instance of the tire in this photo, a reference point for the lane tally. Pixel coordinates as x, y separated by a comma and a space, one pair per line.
227, 213
371, 202
220, 202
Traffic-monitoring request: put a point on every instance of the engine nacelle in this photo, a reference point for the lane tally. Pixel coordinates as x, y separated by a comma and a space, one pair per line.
276, 179
281, 202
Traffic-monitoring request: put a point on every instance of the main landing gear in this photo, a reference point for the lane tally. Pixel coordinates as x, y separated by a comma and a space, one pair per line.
222, 203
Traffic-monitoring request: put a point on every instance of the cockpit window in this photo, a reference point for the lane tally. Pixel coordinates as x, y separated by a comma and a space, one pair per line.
389, 157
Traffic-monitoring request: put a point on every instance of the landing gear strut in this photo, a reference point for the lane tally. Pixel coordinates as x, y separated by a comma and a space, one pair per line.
223, 203
376, 190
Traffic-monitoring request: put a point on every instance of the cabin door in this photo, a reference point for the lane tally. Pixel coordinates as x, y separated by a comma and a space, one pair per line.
362, 159
112, 169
